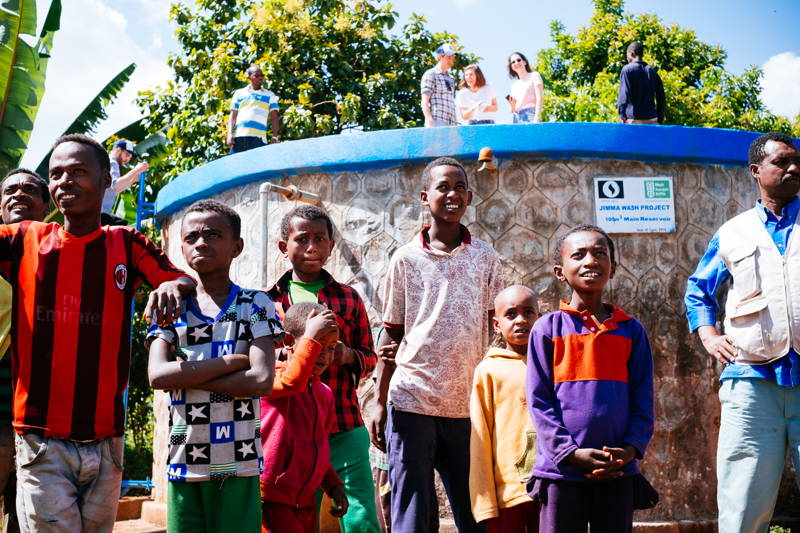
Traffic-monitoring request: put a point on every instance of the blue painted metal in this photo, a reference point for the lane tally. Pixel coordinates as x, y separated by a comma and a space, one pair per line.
382, 149
143, 209
145, 483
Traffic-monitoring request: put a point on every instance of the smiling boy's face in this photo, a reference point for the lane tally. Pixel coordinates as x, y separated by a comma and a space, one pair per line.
21, 199
447, 193
77, 180
586, 264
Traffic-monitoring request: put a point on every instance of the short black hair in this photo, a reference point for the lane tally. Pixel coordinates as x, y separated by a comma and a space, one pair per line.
40, 182
212, 206
636, 48
757, 151
306, 212
99, 152
441, 162
579, 229
294, 321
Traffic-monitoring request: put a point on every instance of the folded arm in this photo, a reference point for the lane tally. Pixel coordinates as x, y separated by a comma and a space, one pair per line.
253, 381
164, 372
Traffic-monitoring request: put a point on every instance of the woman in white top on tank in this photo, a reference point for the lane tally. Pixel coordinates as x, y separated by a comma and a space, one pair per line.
526, 91
476, 99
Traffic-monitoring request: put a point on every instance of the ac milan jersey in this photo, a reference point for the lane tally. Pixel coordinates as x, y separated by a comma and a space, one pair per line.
70, 333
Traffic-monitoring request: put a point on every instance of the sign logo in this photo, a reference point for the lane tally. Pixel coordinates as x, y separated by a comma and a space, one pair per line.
656, 189
120, 276
610, 189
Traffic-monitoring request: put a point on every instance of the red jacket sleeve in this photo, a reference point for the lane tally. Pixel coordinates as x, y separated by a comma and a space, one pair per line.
330, 480
292, 377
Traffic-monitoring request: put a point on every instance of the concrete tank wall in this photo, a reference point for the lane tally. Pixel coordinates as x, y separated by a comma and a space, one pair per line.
543, 186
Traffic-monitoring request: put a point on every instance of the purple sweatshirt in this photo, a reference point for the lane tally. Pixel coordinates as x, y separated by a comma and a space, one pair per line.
588, 387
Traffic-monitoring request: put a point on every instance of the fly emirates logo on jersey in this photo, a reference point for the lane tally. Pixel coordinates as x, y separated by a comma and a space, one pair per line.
69, 312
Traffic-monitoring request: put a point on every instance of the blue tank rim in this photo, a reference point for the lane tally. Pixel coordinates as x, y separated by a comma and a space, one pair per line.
388, 148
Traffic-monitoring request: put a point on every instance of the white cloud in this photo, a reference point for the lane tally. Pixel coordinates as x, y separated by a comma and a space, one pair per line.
781, 84
95, 42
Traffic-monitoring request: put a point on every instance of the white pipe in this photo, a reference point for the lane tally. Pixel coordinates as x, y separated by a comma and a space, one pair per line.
263, 201
290, 193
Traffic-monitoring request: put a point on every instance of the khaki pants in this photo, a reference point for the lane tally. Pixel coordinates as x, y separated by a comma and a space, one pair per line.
65, 486
8, 480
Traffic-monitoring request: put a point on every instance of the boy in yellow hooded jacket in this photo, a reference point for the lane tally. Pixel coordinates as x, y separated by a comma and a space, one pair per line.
503, 441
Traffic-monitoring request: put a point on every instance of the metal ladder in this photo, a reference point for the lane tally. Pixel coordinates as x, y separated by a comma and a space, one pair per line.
144, 210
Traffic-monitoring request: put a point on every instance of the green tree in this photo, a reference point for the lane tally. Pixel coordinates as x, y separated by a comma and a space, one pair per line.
334, 64
581, 74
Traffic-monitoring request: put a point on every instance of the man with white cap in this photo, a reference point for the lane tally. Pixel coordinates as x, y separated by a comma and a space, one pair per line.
438, 90
120, 155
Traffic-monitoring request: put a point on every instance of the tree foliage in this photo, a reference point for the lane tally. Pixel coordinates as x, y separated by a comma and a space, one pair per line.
334, 64
581, 74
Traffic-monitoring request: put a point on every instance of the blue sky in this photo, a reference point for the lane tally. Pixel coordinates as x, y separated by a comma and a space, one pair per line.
100, 37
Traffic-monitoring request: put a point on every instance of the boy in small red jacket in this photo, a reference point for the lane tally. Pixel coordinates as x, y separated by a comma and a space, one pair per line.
295, 423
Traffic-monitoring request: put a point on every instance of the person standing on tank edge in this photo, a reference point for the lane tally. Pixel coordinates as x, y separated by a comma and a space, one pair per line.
758, 251
527, 92
438, 88
639, 84
251, 108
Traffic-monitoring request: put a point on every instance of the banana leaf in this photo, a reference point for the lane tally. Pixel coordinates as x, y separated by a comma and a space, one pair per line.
22, 72
93, 113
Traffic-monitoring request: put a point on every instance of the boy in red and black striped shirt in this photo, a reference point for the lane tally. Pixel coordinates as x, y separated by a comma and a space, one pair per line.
70, 333
306, 242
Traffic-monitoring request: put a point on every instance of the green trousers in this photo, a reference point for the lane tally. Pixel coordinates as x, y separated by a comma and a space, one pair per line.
350, 459
232, 505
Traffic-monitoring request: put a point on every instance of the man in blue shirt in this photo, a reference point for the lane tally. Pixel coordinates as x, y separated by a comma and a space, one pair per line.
758, 251
639, 84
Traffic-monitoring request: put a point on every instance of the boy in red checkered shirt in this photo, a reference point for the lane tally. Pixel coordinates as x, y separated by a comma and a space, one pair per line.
306, 242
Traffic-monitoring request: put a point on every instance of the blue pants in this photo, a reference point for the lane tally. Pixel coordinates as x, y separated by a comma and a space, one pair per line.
242, 144
525, 116
416, 445
760, 419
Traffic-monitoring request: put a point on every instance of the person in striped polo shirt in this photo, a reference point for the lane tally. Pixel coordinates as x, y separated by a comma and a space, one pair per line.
70, 338
251, 108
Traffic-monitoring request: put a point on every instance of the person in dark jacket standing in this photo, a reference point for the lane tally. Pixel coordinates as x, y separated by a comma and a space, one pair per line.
639, 85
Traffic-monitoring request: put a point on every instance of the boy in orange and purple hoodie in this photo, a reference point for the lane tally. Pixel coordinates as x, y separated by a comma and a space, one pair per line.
295, 423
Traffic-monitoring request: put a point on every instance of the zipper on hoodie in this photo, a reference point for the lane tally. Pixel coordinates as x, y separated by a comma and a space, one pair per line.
314, 440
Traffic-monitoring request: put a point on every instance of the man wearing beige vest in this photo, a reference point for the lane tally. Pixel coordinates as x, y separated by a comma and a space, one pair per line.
759, 252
